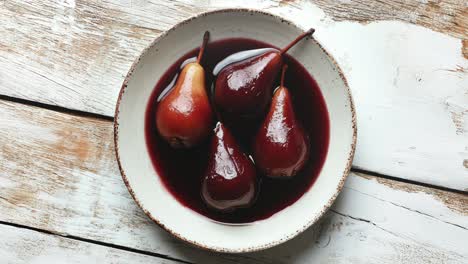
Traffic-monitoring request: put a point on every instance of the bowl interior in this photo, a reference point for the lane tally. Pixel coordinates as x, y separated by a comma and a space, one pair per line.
146, 186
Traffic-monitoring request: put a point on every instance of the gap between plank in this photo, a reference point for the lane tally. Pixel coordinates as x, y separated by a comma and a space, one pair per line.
79, 113
55, 108
393, 178
124, 248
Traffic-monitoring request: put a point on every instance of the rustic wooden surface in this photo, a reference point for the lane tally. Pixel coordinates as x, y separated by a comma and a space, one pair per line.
75, 54
25, 246
72, 187
61, 195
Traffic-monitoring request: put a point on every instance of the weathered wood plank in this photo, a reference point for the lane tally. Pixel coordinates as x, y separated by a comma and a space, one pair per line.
58, 173
412, 102
448, 16
19, 246
410, 87
76, 53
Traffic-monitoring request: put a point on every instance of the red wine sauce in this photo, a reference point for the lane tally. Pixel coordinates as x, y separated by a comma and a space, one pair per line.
181, 171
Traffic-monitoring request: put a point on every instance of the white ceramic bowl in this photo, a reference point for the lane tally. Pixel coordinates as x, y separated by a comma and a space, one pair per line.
147, 188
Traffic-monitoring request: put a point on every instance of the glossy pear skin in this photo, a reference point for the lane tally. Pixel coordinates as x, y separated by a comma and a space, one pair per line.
230, 180
244, 88
281, 147
184, 117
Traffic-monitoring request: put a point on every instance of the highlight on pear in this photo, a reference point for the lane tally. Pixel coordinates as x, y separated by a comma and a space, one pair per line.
184, 116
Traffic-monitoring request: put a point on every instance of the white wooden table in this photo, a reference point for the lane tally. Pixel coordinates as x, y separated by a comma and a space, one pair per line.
62, 199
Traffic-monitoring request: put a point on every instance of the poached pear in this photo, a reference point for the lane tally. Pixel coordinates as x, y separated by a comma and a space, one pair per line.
244, 88
230, 180
281, 146
184, 116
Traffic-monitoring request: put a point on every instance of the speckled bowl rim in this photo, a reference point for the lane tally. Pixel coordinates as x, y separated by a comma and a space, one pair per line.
263, 246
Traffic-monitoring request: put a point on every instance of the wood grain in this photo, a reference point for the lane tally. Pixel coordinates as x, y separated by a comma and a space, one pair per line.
19, 246
58, 173
448, 16
75, 54
411, 102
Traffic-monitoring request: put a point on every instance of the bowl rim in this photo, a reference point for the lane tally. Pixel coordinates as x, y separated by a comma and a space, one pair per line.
262, 246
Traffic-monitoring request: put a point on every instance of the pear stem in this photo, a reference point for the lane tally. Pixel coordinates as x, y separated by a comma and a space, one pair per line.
294, 42
283, 72
206, 37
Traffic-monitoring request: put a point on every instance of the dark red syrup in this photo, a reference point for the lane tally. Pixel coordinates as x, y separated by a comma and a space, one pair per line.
181, 171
